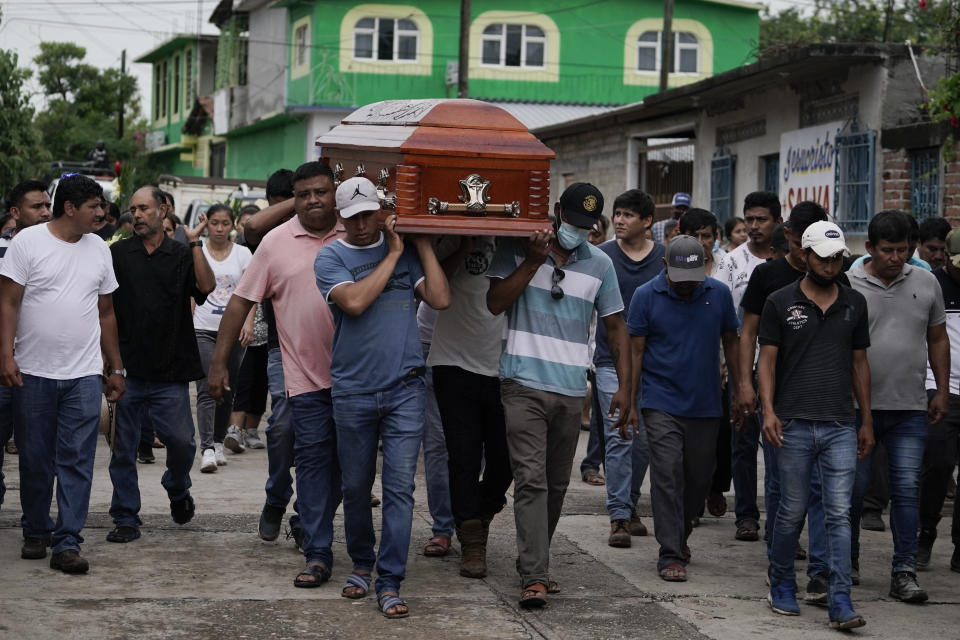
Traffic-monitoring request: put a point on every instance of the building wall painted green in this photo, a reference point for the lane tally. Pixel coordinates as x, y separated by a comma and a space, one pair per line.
253, 156
591, 52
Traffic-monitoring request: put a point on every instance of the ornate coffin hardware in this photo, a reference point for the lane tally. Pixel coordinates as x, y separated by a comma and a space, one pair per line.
387, 202
337, 174
361, 171
474, 196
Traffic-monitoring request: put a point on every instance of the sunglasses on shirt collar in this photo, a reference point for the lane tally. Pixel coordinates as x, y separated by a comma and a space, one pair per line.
555, 291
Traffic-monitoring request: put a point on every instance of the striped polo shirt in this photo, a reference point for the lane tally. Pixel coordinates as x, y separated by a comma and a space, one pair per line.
545, 340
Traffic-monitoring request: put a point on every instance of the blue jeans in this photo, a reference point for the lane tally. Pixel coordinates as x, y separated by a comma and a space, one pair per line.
318, 472
394, 416
625, 461
435, 461
816, 531
279, 435
595, 441
56, 422
6, 430
165, 405
830, 449
904, 434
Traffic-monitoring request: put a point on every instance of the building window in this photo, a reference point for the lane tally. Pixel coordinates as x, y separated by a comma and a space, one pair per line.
386, 39
686, 52
770, 178
157, 81
160, 87
925, 182
722, 167
176, 85
188, 90
514, 45
855, 187
300, 54
643, 51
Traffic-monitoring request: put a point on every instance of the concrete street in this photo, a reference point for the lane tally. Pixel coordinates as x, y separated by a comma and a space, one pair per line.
214, 578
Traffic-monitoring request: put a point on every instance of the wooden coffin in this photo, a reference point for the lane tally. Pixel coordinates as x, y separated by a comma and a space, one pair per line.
454, 167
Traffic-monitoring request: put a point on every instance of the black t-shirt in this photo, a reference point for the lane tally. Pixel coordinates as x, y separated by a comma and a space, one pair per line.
814, 357
767, 278
152, 305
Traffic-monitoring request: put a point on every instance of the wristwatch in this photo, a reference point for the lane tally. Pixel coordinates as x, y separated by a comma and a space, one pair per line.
196, 243
120, 372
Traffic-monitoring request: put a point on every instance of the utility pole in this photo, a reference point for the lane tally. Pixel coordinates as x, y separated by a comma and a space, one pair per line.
123, 74
463, 69
666, 59
887, 19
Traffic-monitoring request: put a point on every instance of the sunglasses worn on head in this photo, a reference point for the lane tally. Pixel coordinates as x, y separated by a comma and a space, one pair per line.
555, 291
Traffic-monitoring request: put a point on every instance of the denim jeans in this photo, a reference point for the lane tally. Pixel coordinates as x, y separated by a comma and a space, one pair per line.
542, 433
904, 434
6, 430
816, 531
279, 434
625, 461
595, 442
212, 418
395, 417
318, 471
830, 449
435, 460
476, 437
166, 405
743, 467
60, 440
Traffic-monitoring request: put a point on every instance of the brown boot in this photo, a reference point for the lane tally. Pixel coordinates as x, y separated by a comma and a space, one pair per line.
473, 547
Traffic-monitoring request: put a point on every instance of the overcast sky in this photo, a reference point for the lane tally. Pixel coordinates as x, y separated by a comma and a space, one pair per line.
107, 27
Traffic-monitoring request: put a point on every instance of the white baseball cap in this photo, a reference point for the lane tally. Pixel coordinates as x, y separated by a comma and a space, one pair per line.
356, 195
825, 238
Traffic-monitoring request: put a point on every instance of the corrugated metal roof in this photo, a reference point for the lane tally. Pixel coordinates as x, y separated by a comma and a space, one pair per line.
535, 115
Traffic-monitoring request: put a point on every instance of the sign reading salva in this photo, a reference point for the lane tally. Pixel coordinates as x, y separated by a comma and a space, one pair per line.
808, 163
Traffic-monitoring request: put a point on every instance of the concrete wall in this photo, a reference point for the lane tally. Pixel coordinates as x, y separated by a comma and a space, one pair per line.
266, 62
318, 124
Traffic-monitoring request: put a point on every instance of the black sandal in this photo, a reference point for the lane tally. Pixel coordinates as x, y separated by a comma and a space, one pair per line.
318, 572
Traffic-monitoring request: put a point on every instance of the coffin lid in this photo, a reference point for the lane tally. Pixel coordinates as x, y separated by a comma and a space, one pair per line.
467, 128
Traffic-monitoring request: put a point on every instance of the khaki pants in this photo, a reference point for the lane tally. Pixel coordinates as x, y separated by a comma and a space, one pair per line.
542, 433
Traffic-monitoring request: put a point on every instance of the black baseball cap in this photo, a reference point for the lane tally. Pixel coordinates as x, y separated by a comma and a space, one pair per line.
582, 204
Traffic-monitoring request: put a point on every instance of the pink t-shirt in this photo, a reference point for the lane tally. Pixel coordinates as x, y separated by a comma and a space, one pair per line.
282, 269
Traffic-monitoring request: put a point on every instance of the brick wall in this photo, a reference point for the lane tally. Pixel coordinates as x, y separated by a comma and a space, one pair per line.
896, 183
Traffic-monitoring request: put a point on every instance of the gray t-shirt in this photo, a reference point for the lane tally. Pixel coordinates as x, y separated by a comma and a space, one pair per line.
900, 315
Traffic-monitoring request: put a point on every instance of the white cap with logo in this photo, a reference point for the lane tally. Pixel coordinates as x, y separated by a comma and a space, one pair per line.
356, 195
825, 238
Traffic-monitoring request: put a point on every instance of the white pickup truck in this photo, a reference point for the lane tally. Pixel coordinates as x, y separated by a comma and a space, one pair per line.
194, 196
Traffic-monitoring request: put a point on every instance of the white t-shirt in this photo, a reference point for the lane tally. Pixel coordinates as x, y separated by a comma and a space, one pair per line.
734, 270
466, 334
58, 327
207, 315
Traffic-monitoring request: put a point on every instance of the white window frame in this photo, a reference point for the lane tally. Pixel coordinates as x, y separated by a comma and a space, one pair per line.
422, 65
398, 32
677, 46
525, 39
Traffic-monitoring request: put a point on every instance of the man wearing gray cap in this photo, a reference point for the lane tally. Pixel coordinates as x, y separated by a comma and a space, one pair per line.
676, 321
813, 338
549, 287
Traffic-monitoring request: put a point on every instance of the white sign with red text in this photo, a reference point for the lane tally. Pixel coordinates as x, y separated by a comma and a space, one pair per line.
808, 166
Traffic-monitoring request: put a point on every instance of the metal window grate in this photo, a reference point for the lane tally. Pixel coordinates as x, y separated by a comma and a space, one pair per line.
856, 154
925, 182
771, 172
722, 169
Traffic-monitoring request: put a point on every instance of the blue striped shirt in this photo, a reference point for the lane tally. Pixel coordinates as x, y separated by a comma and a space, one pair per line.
545, 343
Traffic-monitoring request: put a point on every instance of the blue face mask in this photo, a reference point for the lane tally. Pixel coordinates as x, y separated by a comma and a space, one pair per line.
571, 237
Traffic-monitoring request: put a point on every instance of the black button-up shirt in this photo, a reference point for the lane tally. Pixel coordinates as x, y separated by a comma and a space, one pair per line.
152, 305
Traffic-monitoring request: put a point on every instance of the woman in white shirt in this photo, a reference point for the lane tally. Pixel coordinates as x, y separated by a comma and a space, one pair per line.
228, 261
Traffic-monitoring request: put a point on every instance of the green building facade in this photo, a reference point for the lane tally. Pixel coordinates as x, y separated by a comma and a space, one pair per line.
330, 56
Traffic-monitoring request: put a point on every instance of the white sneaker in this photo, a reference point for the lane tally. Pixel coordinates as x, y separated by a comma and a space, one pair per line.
208, 463
252, 439
234, 439
221, 459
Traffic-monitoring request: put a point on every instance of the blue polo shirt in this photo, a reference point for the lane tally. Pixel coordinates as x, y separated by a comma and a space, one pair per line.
681, 362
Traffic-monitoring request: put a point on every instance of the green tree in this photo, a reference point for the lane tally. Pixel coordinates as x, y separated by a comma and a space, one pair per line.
851, 21
83, 105
20, 158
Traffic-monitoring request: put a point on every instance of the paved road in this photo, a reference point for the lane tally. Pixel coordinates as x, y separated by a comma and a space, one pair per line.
215, 579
